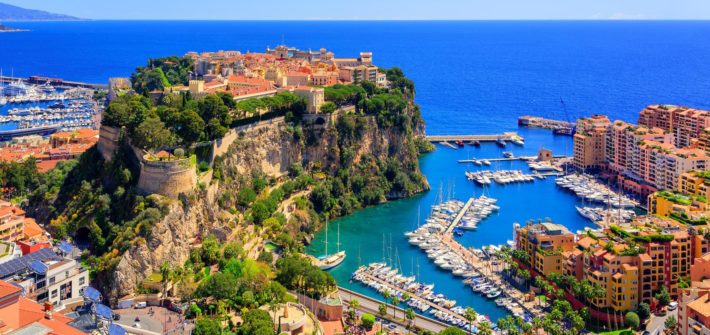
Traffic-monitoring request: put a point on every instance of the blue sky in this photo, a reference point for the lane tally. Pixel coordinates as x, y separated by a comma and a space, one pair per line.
376, 9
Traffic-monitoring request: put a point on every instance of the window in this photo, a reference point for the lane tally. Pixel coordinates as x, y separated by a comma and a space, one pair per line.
82, 280
51, 280
54, 294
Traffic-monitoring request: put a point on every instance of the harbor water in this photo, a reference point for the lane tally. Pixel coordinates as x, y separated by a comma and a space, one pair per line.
362, 233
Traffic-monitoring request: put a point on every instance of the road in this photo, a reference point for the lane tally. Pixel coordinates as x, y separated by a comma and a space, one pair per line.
371, 306
656, 325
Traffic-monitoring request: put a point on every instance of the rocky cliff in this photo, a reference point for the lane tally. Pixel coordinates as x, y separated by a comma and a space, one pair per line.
270, 148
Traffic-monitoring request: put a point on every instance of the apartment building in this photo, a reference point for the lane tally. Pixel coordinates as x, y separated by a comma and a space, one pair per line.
545, 243
695, 183
590, 142
684, 123
47, 276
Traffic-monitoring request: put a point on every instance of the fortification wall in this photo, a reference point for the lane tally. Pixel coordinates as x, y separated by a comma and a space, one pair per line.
168, 178
108, 141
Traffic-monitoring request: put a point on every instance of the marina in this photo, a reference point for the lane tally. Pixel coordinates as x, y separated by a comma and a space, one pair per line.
485, 177
436, 240
27, 108
442, 168
588, 189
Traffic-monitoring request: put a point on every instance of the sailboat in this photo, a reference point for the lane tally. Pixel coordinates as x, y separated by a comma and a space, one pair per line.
329, 261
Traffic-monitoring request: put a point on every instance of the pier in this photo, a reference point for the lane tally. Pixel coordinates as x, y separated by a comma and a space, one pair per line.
509, 136
56, 82
43, 131
540, 122
503, 159
459, 216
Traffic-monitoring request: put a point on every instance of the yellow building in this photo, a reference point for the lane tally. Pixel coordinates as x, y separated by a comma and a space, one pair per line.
545, 243
687, 209
694, 183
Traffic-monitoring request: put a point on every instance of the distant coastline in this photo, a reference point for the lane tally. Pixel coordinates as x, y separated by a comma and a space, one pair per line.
6, 29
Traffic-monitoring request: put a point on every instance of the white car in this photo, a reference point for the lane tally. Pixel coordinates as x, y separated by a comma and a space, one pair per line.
672, 306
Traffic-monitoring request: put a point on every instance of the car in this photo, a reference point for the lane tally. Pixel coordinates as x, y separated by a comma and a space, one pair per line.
672, 306
140, 305
392, 326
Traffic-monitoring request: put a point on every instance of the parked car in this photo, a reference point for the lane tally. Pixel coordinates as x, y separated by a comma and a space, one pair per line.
672, 306
141, 304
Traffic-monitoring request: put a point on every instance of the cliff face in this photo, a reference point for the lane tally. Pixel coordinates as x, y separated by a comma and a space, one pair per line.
269, 147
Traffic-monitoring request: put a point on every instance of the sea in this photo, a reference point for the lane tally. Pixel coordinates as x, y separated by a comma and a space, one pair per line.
472, 77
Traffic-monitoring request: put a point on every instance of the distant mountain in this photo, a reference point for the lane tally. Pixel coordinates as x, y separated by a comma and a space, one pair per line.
14, 13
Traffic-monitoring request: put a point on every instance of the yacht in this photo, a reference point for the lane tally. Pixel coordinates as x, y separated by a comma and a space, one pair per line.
329, 261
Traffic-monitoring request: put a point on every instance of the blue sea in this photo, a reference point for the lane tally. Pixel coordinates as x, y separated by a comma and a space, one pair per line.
471, 78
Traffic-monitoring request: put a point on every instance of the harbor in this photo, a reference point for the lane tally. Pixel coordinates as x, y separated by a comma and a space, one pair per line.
360, 233
28, 108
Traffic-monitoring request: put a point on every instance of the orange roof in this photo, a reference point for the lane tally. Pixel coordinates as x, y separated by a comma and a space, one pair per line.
162, 154
31, 228
701, 306
44, 166
19, 312
7, 289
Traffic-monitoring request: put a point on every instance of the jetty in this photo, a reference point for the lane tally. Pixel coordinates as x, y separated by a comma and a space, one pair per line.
515, 158
56, 82
460, 215
541, 122
508, 136
43, 131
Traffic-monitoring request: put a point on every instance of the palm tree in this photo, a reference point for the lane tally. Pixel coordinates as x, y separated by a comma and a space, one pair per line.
165, 276
537, 324
382, 311
484, 328
387, 295
410, 315
469, 315
395, 302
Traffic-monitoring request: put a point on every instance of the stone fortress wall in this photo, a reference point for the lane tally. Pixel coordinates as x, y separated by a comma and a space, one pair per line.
168, 178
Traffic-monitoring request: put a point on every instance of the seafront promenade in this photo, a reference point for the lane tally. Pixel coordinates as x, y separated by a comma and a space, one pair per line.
370, 305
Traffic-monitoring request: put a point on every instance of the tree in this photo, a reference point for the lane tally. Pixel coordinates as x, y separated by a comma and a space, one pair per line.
207, 326
484, 328
452, 331
663, 297
410, 315
395, 302
191, 126
382, 310
151, 134
245, 197
328, 107
367, 321
644, 311
671, 325
470, 316
632, 320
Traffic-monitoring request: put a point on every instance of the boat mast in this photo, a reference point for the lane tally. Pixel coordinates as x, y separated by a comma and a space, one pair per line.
338, 240
326, 237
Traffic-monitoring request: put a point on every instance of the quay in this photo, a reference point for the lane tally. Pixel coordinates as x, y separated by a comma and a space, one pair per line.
370, 305
485, 269
56, 82
393, 288
503, 159
43, 131
508, 136
459, 216
540, 122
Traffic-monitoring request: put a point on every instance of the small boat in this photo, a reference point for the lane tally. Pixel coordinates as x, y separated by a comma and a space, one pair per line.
518, 141
486, 162
493, 294
507, 154
459, 143
475, 143
501, 142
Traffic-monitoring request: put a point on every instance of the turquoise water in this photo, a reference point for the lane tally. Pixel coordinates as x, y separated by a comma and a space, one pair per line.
361, 234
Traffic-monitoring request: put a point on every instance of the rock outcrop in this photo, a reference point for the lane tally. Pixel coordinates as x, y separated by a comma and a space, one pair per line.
270, 147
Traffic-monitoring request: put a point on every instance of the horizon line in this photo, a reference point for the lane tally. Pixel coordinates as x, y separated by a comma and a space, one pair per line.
375, 20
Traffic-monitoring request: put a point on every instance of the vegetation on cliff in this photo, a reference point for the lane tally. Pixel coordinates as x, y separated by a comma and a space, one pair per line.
161, 73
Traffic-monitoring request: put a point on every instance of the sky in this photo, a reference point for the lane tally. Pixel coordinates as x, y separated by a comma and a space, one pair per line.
376, 9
